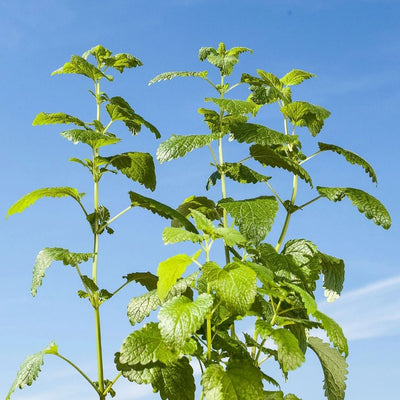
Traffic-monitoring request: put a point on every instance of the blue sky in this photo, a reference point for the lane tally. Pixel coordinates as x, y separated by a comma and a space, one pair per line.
352, 47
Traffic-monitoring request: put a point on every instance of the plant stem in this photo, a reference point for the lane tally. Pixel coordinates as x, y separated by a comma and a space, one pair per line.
79, 370
108, 388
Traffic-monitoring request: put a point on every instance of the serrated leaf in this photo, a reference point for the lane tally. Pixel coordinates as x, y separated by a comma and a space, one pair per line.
170, 75
295, 77
56, 118
351, 157
161, 209
270, 79
120, 110
45, 258
202, 222
146, 345
30, 368
242, 174
198, 203
147, 279
140, 307
30, 198
333, 271
121, 61
170, 270
302, 113
136, 166
235, 285
230, 236
334, 367
234, 107
180, 318
290, 355
366, 204
334, 332
259, 134
267, 156
178, 146
92, 138
240, 381
308, 300
78, 65
254, 217
177, 235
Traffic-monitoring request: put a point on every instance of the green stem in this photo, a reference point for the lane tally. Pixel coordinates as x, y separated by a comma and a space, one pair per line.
260, 349
78, 369
310, 157
309, 202
118, 215
275, 193
108, 388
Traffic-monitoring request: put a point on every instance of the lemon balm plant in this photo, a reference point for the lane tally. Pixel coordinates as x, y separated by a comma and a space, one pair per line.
233, 274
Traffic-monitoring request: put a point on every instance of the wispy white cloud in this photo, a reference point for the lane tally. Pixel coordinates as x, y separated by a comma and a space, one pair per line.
368, 312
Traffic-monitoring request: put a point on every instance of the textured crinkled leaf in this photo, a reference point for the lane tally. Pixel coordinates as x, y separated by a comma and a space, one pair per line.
140, 307
178, 146
254, 217
333, 271
146, 345
45, 258
161, 209
308, 300
267, 156
351, 157
334, 332
202, 222
259, 134
177, 235
270, 79
240, 381
230, 236
234, 107
170, 75
30, 198
121, 61
371, 207
30, 368
295, 77
302, 113
78, 65
334, 367
136, 166
56, 118
180, 318
147, 279
242, 174
92, 138
99, 52
170, 270
198, 203
235, 285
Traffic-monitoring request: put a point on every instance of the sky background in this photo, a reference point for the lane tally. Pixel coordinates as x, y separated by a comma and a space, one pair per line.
352, 46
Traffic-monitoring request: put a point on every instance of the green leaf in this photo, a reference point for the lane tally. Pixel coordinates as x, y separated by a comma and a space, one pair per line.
270, 79
302, 113
290, 355
147, 279
198, 203
240, 381
267, 156
334, 367
78, 65
254, 217
333, 271
308, 300
99, 52
180, 318
120, 110
30, 198
178, 146
45, 258
203, 223
351, 157
242, 174
92, 138
334, 332
235, 285
30, 368
170, 270
230, 236
295, 77
146, 345
56, 118
161, 209
136, 166
234, 107
170, 75
121, 61
259, 134
177, 235
366, 204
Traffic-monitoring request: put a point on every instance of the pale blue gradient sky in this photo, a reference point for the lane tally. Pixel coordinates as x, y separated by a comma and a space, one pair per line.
353, 48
